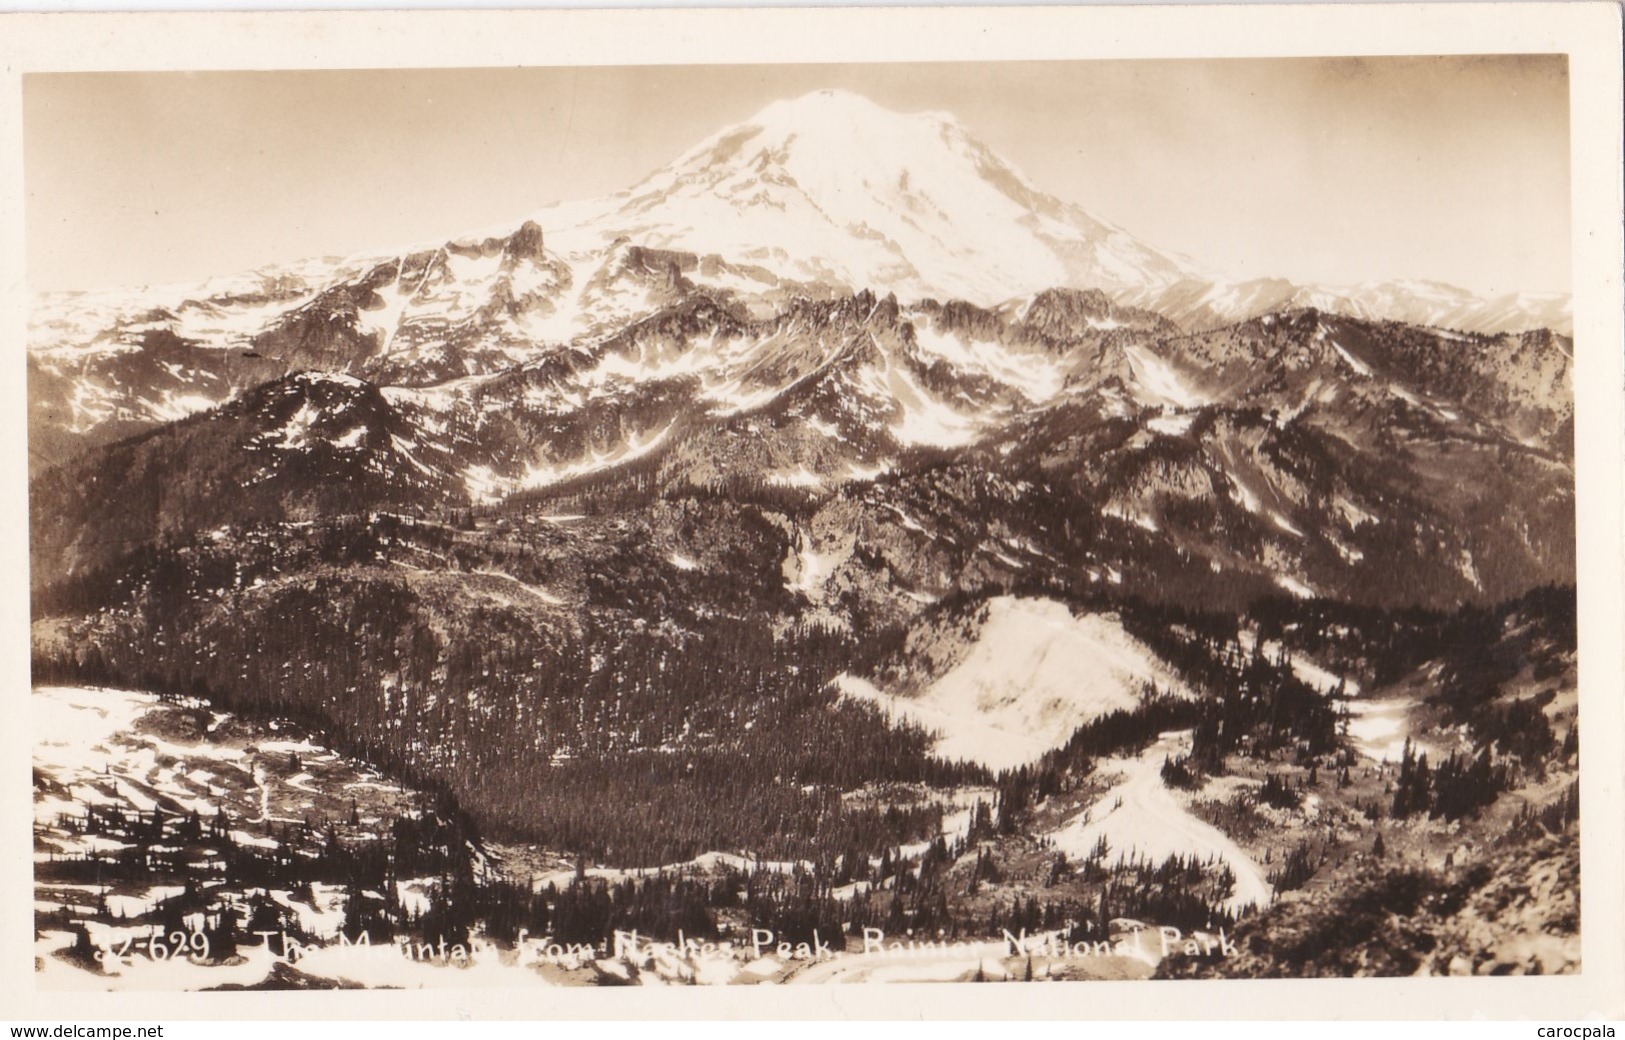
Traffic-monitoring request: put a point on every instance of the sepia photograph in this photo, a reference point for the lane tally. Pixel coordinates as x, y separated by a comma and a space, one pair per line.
783, 524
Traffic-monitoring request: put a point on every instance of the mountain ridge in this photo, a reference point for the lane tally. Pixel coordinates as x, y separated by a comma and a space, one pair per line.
824, 195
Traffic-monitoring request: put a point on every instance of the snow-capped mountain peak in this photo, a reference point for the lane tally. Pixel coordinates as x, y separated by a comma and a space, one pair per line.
824, 197
833, 187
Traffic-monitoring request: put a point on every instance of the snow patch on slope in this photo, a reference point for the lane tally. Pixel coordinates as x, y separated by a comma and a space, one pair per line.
1360, 367
541, 475
1034, 675
1158, 380
1140, 814
1037, 378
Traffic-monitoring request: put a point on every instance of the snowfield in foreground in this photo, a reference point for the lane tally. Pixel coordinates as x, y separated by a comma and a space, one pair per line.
1141, 815
1034, 675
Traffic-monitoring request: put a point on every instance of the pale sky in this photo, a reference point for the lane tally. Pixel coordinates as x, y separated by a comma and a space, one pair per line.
1324, 170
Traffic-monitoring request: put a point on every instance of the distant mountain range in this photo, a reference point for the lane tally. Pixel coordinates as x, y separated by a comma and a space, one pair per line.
1307, 446
827, 195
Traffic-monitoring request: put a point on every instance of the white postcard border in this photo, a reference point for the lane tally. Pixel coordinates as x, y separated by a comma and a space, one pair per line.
1588, 32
